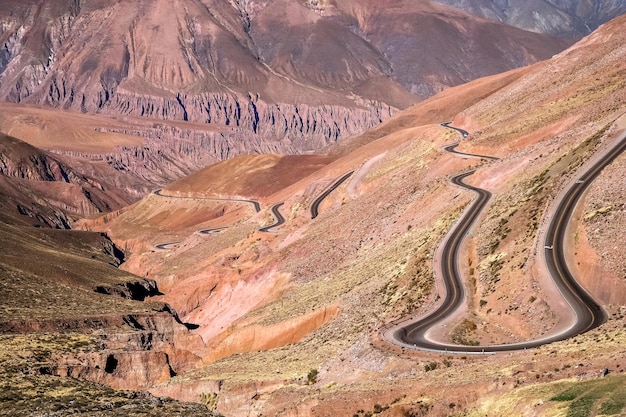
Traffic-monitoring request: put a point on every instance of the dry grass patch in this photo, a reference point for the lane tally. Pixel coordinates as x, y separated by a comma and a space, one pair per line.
569, 398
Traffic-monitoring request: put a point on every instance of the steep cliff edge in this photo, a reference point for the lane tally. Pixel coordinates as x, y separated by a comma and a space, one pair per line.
71, 287
144, 351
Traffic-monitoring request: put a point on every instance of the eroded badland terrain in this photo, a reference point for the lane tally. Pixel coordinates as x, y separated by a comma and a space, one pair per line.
176, 294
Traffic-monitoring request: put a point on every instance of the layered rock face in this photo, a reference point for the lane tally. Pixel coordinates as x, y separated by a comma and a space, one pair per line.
248, 76
248, 125
140, 356
47, 189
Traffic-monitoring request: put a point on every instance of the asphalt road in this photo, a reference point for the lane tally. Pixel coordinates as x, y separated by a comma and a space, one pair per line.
316, 203
463, 133
166, 245
255, 204
279, 218
413, 333
452, 149
257, 208
212, 230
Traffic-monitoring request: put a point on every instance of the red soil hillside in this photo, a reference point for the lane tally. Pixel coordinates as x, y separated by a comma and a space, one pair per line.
287, 322
291, 318
251, 176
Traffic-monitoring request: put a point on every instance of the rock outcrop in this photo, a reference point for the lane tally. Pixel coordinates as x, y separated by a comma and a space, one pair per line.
246, 77
137, 290
45, 187
149, 350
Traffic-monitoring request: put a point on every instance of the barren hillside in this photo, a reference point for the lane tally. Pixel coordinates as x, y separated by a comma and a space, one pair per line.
291, 318
261, 77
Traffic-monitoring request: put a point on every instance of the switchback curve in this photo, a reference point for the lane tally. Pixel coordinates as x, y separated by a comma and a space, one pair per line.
413, 333
279, 218
255, 204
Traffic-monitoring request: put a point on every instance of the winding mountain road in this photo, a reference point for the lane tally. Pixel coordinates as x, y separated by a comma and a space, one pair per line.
212, 230
316, 203
255, 204
413, 333
279, 218
452, 149
166, 245
463, 133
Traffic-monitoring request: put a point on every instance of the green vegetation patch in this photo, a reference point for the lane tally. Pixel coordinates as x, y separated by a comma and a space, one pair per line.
607, 395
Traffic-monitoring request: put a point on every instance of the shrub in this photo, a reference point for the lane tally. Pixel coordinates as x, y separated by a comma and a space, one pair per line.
209, 399
312, 377
431, 366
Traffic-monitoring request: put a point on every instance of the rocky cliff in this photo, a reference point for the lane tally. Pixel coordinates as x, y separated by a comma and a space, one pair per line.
61, 282
248, 124
141, 354
53, 191
250, 76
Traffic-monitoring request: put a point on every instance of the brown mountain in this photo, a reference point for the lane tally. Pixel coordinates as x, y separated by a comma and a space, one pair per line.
280, 76
288, 322
291, 318
48, 189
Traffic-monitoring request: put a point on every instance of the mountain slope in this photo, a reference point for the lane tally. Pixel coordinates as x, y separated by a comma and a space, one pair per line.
293, 75
431, 47
291, 319
557, 17
48, 189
